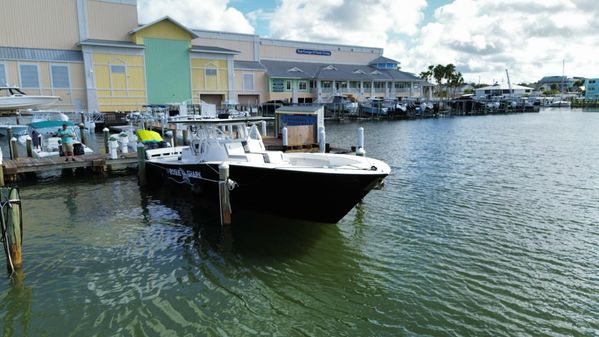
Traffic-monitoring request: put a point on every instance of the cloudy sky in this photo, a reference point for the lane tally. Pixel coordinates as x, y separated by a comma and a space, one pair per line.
531, 38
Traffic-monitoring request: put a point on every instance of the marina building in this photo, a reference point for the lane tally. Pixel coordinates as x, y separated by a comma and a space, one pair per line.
591, 86
95, 55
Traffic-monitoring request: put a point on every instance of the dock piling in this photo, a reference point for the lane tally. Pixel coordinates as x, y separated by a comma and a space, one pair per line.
9, 133
185, 137
322, 140
223, 193
12, 228
29, 143
360, 146
113, 146
106, 131
141, 164
82, 132
1, 169
263, 124
14, 153
285, 141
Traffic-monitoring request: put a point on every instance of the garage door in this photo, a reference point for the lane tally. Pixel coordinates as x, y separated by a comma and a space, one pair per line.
213, 99
249, 100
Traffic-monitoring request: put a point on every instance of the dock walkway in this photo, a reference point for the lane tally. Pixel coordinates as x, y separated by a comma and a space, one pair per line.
100, 162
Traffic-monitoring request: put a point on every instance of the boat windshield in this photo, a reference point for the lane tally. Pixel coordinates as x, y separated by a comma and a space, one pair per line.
236, 131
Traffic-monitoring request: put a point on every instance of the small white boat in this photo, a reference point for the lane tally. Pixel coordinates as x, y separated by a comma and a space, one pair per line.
47, 144
20, 124
559, 103
15, 99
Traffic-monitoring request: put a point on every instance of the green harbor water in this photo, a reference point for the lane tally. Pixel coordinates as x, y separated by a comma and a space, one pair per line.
487, 226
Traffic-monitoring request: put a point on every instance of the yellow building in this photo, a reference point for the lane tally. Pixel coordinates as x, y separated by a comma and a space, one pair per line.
96, 56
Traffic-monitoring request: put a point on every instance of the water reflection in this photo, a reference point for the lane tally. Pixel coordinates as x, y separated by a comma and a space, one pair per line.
251, 234
16, 305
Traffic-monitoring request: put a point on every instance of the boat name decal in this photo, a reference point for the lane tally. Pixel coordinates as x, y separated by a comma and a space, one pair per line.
185, 175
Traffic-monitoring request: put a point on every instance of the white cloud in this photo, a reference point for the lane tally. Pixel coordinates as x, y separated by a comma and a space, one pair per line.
196, 14
481, 37
530, 38
357, 22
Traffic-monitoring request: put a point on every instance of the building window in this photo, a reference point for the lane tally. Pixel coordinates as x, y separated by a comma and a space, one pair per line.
117, 69
379, 85
303, 86
326, 84
3, 80
248, 81
354, 84
210, 71
366, 85
60, 76
278, 86
288, 85
29, 76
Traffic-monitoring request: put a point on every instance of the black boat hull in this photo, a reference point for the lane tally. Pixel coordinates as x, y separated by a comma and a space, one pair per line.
314, 196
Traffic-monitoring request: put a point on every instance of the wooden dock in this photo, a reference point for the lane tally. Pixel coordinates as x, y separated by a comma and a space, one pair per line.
13, 169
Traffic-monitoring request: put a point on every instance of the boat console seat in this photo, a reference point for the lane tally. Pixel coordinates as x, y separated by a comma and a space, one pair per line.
274, 157
247, 157
52, 143
234, 148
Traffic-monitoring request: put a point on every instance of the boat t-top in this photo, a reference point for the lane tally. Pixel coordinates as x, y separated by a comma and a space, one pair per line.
321, 187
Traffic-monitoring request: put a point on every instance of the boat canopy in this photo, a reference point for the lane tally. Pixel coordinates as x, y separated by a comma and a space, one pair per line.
50, 124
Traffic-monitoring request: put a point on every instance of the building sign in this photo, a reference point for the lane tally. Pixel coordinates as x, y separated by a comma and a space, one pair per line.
313, 52
296, 120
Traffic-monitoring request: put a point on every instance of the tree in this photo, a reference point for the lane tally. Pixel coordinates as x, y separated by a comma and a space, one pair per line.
426, 75
443, 74
454, 80
554, 86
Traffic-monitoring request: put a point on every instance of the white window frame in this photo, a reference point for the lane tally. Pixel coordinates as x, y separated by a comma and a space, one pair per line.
245, 88
68, 76
299, 85
3, 65
37, 67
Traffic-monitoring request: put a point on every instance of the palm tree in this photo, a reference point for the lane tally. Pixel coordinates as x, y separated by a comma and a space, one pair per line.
439, 75
426, 75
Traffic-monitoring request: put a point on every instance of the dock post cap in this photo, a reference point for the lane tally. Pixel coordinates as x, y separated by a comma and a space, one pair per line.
27, 138
13, 139
105, 130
